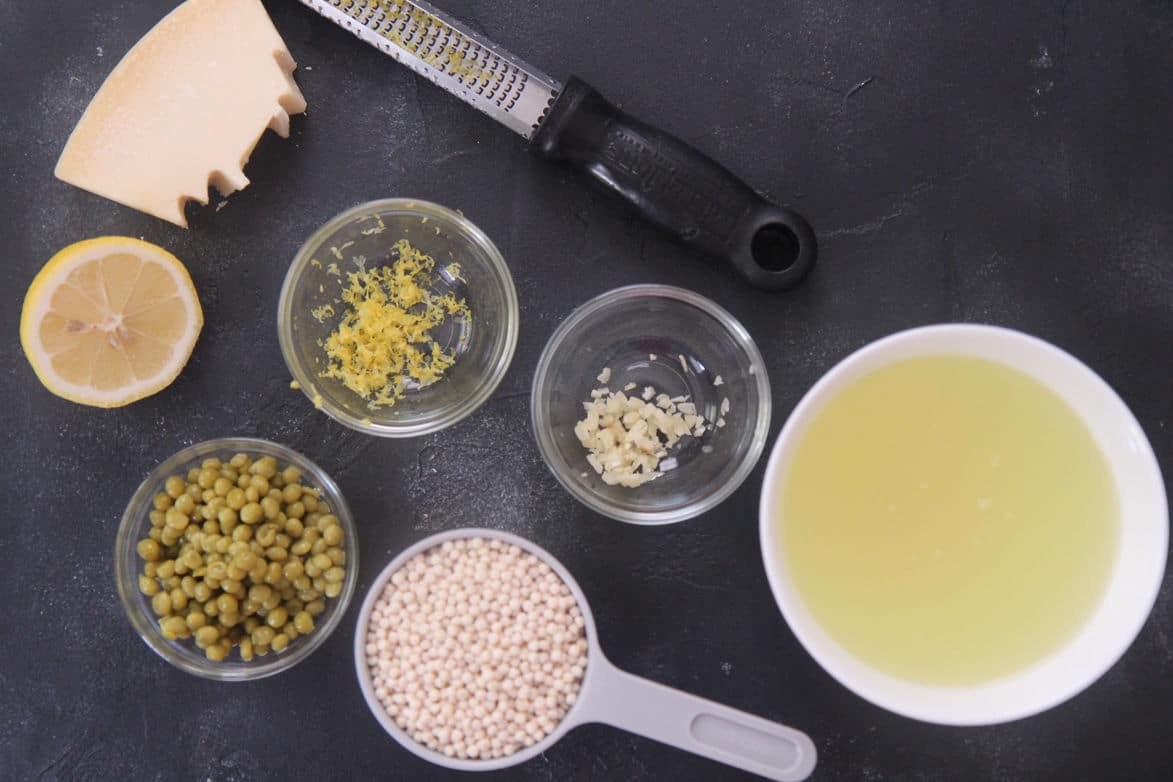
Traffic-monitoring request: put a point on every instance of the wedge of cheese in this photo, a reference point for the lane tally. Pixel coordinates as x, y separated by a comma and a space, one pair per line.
184, 109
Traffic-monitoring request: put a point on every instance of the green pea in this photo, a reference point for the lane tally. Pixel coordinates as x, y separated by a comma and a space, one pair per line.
263, 635
161, 603
332, 535
173, 628
148, 586
174, 486
303, 621
266, 467
148, 550
251, 513
177, 519
227, 604
277, 618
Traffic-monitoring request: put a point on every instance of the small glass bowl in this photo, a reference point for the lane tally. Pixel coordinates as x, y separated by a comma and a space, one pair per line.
128, 566
679, 343
364, 236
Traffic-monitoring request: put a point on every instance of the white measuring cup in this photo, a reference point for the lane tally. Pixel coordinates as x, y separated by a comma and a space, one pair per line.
611, 696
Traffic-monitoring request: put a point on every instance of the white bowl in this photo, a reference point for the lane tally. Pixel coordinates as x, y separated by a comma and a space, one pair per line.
1137, 572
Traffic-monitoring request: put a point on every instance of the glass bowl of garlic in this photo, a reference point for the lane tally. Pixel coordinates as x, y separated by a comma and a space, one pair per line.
650, 404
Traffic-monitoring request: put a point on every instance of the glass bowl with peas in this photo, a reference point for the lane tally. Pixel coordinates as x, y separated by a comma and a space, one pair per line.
236, 559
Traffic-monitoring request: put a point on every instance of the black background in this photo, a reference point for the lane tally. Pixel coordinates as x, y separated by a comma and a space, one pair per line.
1008, 165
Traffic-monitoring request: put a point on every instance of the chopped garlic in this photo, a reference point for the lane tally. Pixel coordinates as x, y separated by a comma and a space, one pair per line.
651, 357
629, 386
628, 437
724, 406
717, 381
605, 375
683, 363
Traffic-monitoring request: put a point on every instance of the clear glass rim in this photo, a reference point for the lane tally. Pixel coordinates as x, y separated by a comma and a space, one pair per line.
545, 439
429, 422
133, 523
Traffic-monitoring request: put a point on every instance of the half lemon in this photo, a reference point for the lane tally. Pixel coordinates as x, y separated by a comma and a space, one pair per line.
110, 320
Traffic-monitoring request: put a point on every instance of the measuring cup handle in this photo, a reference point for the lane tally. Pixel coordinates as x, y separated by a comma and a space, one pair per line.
698, 725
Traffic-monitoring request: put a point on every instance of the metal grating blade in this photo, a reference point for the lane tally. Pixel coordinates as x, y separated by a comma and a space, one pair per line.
445, 52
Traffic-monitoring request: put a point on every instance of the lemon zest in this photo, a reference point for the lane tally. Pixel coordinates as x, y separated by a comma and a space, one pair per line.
383, 344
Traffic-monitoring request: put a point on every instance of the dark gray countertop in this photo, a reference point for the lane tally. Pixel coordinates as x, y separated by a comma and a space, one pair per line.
959, 163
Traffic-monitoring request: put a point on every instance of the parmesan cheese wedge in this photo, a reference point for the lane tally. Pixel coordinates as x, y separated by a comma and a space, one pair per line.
184, 109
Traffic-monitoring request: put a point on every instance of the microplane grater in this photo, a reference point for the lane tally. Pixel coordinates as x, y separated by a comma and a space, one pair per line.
447, 53
665, 179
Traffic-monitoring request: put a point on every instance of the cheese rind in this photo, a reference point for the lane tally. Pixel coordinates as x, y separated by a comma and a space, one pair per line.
184, 109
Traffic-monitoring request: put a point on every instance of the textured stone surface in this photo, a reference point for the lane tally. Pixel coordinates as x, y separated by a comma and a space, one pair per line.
959, 162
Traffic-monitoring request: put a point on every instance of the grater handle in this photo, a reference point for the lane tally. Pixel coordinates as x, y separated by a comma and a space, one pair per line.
677, 187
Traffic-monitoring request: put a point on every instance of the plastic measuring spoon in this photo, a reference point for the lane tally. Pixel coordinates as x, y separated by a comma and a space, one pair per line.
611, 696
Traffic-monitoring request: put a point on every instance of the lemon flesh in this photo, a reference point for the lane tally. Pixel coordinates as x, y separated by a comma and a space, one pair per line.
109, 321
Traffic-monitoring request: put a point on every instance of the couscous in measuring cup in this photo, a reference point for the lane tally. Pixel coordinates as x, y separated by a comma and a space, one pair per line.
611, 696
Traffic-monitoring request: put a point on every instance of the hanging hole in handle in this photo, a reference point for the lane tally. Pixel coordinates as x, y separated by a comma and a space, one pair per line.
775, 247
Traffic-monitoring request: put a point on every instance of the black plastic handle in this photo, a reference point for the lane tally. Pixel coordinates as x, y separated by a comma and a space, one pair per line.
677, 187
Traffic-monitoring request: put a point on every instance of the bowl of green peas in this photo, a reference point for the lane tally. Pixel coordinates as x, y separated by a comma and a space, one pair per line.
236, 558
